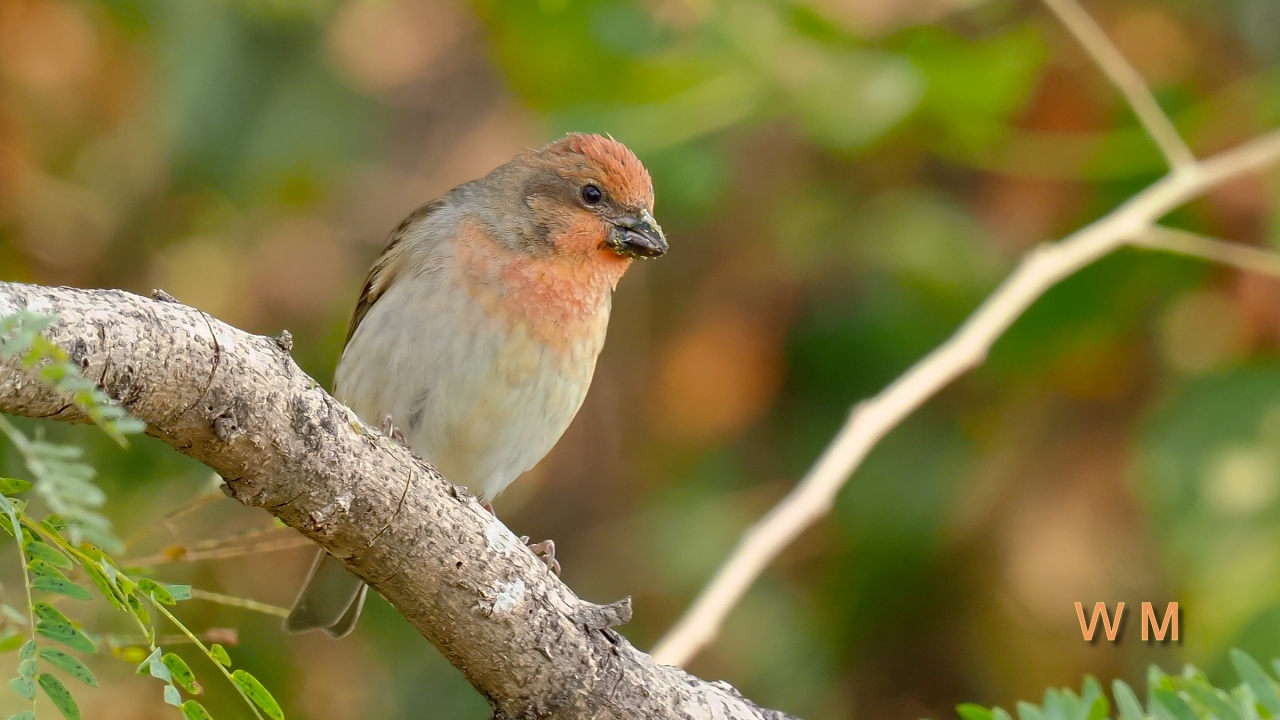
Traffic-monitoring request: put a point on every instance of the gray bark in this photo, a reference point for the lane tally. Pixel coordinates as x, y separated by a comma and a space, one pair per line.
238, 403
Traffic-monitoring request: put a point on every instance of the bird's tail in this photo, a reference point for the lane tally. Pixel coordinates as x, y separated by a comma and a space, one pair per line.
330, 600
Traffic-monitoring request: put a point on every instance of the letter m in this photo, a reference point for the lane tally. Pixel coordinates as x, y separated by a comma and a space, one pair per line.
1112, 627
1170, 618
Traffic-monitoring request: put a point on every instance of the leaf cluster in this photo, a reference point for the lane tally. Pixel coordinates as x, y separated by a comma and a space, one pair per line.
1188, 696
74, 542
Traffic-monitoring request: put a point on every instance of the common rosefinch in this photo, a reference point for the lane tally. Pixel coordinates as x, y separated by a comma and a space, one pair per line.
479, 326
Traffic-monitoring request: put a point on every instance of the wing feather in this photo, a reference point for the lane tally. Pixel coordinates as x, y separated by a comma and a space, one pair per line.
388, 264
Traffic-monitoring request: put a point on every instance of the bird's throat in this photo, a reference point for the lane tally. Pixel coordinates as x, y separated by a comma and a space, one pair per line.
555, 298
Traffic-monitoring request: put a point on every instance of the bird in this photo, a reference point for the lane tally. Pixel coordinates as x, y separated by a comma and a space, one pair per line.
475, 337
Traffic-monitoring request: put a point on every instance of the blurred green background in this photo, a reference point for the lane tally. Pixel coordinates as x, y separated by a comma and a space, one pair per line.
842, 182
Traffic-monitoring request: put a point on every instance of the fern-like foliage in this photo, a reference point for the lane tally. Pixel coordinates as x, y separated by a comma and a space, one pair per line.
1187, 696
61, 478
73, 544
20, 337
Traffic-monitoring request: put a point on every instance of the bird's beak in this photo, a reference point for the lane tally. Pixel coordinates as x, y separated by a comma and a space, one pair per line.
638, 236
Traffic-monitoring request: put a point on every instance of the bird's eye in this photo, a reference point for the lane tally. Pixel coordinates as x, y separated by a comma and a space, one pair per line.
591, 194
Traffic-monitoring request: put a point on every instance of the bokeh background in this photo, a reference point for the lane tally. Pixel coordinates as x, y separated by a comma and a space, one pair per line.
842, 182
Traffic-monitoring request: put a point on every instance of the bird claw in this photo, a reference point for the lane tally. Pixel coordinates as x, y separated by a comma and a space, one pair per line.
545, 551
390, 430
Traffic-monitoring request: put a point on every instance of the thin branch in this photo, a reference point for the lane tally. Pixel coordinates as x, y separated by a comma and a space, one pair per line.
167, 522
269, 538
1245, 257
239, 602
873, 419
1126, 78
226, 551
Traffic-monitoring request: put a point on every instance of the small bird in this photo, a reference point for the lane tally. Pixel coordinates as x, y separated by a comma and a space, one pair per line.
479, 325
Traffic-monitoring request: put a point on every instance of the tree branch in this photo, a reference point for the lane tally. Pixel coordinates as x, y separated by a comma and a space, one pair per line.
1244, 257
1113, 63
239, 404
967, 348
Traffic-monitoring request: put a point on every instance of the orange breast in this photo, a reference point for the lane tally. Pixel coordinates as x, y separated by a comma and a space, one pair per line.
561, 300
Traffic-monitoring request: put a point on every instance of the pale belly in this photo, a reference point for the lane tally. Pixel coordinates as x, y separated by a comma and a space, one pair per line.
482, 406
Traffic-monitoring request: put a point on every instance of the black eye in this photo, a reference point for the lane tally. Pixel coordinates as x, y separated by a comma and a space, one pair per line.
591, 194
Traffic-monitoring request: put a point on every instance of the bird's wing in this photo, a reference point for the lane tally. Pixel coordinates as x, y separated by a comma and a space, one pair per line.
388, 264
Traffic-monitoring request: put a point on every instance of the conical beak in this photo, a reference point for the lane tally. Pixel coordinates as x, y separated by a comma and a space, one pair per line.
638, 236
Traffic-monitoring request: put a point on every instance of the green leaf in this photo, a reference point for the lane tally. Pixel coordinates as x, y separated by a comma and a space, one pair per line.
219, 653
144, 668
126, 585
67, 635
140, 612
1027, 711
182, 674
156, 667
192, 710
7, 505
179, 592
254, 690
1177, 707
1053, 705
1130, 708
24, 715
1070, 707
45, 611
41, 551
70, 664
26, 687
61, 586
106, 587
1000, 714
54, 524
172, 696
1252, 673
13, 486
12, 641
156, 591
42, 568
1212, 700
28, 650
59, 695
970, 711
1093, 701
27, 668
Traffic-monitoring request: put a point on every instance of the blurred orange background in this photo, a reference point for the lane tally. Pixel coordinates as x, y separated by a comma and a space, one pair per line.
842, 181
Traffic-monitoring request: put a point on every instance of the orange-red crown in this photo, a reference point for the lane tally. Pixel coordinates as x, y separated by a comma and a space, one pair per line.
622, 173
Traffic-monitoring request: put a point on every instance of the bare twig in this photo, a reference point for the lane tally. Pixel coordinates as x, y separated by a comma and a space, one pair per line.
239, 602
264, 538
167, 522
871, 420
223, 549
1245, 257
1126, 78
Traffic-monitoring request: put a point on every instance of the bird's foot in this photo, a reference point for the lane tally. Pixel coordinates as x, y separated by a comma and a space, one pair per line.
545, 551
390, 430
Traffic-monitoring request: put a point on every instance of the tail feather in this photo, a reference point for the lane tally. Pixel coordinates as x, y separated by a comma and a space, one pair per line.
330, 600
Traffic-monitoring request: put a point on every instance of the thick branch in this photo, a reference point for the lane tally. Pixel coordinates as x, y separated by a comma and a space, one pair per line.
238, 403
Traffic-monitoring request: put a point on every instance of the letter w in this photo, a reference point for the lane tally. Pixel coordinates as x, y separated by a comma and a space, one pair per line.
1101, 609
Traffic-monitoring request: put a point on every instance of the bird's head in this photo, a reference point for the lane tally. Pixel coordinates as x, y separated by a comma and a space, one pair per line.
590, 197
